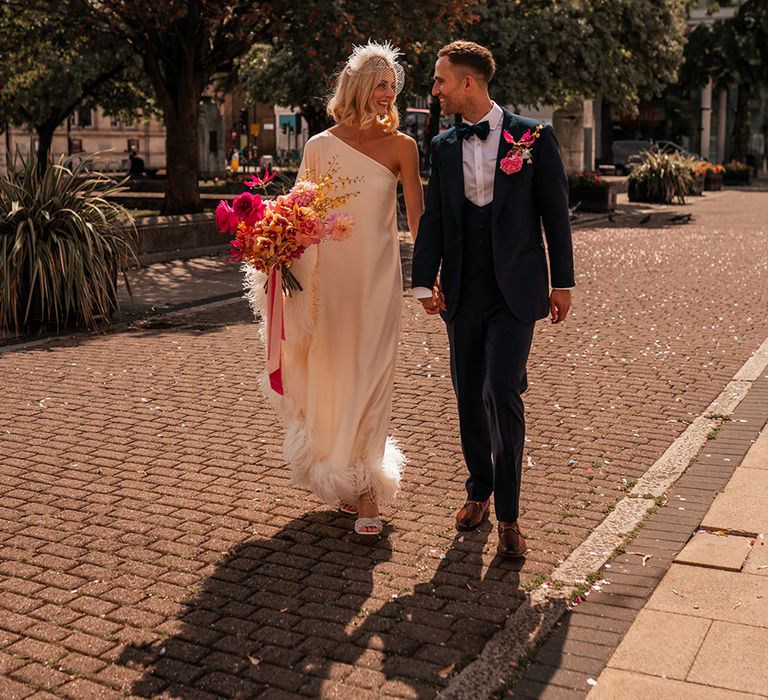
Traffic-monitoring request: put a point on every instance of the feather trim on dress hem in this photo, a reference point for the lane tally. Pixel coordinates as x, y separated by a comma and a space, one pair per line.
378, 474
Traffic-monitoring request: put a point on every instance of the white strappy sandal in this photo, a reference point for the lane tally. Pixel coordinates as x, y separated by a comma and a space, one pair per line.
362, 523
347, 508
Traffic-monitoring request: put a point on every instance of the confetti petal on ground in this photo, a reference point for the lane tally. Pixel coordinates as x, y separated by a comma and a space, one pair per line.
445, 672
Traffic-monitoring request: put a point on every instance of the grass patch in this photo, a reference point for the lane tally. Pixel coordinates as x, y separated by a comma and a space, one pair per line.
628, 484
567, 512
581, 589
719, 416
535, 582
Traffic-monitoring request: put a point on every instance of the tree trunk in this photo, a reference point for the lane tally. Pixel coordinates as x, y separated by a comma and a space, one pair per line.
606, 133
8, 154
741, 126
44, 144
182, 192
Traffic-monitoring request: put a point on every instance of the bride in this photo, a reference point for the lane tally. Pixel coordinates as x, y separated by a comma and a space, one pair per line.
342, 331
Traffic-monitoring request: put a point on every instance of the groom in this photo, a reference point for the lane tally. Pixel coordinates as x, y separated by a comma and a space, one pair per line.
495, 179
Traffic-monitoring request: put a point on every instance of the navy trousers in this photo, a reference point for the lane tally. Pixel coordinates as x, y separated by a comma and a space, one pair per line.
489, 352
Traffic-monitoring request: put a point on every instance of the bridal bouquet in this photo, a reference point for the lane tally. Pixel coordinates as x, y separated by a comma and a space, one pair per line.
269, 235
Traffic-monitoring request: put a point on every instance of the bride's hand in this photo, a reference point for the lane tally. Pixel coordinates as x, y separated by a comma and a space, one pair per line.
434, 304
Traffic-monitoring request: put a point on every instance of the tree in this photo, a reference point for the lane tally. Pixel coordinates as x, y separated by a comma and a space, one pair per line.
53, 65
182, 44
733, 51
619, 51
296, 67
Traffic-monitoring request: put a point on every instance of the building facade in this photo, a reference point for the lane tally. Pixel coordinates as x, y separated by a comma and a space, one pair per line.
107, 141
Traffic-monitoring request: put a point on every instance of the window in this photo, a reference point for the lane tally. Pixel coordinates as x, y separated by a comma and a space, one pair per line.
126, 121
83, 118
213, 141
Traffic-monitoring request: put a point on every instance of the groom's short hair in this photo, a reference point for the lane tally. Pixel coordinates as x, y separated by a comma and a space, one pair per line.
472, 56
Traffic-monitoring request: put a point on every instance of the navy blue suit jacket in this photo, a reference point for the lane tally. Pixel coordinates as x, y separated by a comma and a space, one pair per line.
522, 201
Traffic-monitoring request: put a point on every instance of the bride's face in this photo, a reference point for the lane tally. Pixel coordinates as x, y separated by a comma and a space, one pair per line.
384, 93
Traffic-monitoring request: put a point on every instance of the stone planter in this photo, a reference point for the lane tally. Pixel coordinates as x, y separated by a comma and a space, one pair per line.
170, 237
713, 181
738, 177
697, 186
601, 198
637, 193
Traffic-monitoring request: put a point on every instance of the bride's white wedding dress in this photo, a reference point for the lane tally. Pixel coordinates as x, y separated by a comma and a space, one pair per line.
342, 331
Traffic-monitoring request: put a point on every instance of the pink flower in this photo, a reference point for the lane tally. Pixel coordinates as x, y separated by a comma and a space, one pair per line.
527, 139
260, 181
226, 218
512, 163
248, 208
257, 211
339, 226
309, 233
236, 251
243, 204
303, 193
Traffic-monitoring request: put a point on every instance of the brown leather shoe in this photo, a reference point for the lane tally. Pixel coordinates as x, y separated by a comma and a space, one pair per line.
511, 541
471, 515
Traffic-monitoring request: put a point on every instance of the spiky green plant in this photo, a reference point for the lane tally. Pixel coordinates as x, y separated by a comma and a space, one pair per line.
661, 177
61, 245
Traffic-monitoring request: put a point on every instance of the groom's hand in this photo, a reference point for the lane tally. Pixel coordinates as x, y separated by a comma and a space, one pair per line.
434, 304
559, 304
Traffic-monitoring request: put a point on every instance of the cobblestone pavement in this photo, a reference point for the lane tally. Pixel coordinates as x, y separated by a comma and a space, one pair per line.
151, 544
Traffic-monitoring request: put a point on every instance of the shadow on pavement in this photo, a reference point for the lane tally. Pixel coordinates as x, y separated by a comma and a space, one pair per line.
310, 608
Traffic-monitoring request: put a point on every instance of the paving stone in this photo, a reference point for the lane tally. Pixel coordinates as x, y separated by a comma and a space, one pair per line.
741, 507
757, 561
40, 676
614, 684
757, 457
727, 552
543, 691
83, 689
733, 656
11, 690
570, 662
712, 594
661, 644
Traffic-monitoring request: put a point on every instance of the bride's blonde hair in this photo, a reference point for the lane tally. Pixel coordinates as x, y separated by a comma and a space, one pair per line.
352, 100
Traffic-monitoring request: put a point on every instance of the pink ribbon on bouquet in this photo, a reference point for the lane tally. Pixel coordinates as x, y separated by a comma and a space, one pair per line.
275, 328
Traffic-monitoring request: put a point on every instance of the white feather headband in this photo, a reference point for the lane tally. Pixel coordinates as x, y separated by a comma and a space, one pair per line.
359, 60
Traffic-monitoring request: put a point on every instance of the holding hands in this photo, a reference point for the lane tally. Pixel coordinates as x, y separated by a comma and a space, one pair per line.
434, 304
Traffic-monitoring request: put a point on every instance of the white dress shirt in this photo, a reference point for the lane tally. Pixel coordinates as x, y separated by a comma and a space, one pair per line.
479, 162
479, 159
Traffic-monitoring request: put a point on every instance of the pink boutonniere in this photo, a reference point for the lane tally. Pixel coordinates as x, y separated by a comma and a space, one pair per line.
520, 152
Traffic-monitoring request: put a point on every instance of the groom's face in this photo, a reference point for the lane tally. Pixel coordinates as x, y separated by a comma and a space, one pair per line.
448, 86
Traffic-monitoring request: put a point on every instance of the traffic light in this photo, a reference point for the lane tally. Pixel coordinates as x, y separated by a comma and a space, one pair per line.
244, 120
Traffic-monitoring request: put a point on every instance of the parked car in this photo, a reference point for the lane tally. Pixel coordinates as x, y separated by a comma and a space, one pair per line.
624, 150
416, 124
670, 147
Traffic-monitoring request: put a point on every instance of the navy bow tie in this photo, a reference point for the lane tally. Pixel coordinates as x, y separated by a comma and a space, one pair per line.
481, 130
